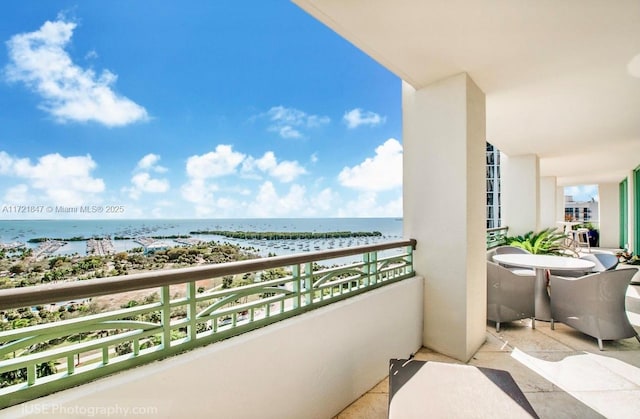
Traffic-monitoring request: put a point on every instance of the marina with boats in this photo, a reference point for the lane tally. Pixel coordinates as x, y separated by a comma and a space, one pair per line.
263, 236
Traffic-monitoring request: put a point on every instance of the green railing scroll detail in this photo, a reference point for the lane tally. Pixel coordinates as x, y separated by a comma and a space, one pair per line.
41, 359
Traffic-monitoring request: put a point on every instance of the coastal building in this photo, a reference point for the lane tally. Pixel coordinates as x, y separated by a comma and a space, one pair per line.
155, 247
493, 187
584, 211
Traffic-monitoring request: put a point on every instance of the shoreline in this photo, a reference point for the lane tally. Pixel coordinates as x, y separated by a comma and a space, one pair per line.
281, 235
239, 234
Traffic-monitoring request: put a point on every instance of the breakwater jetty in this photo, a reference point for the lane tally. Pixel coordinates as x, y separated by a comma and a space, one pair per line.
47, 248
287, 235
12, 246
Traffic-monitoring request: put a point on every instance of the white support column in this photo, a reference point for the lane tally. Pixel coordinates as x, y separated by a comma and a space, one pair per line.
560, 203
521, 193
548, 205
631, 211
444, 209
609, 213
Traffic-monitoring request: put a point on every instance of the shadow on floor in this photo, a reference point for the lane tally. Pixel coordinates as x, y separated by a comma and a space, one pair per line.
561, 372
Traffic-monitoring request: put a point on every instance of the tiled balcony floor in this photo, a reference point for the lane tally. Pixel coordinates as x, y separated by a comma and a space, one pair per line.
561, 371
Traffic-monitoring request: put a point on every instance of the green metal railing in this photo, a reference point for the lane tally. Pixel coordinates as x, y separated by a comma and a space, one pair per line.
496, 236
49, 357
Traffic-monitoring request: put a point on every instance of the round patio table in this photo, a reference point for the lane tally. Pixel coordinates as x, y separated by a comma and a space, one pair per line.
541, 263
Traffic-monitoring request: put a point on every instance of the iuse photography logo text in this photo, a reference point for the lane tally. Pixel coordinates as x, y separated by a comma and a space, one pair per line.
107, 410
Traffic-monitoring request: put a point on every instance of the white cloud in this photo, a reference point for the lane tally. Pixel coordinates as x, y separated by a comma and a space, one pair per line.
206, 204
142, 182
366, 205
294, 203
323, 203
382, 172
267, 161
5, 163
286, 131
228, 206
285, 171
357, 117
269, 204
150, 162
284, 115
18, 194
288, 122
92, 54
200, 168
317, 121
582, 192
223, 161
54, 179
198, 191
69, 92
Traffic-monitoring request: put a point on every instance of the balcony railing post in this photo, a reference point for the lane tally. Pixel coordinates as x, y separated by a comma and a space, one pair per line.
31, 374
365, 268
297, 286
71, 365
308, 283
105, 355
166, 318
370, 268
409, 268
192, 310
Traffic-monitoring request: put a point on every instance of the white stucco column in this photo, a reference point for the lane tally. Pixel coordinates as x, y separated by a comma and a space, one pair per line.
631, 211
521, 193
609, 212
560, 203
444, 200
548, 202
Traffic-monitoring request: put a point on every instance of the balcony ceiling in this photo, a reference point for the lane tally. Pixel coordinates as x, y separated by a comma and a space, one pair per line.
561, 78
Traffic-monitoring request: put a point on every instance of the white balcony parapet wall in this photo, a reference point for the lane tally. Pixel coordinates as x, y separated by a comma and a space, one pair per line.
44, 358
309, 366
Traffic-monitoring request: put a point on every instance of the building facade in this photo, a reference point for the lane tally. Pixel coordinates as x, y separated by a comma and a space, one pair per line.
583, 211
493, 187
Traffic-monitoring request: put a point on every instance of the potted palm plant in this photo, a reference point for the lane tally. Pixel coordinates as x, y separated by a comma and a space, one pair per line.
548, 241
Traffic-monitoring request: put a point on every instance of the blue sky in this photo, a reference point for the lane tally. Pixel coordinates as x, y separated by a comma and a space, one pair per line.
187, 110
583, 192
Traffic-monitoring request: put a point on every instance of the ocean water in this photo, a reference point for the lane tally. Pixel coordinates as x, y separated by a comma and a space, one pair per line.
23, 230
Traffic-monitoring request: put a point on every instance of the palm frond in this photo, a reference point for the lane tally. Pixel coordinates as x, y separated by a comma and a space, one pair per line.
547, 241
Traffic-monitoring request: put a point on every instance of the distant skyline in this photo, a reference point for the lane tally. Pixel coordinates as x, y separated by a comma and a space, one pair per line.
198, 110
583, 193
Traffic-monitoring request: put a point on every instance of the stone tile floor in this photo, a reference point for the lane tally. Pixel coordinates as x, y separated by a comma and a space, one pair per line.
561, 372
